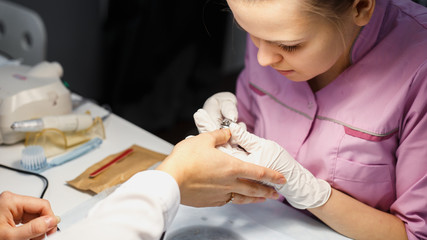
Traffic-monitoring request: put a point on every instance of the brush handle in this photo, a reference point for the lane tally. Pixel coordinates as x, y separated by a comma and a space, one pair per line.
83, 149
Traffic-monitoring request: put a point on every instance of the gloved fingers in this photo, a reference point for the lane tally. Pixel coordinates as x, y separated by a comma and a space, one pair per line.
204, 122
229, 109
246, 140
243, 126
222, 105
213, 108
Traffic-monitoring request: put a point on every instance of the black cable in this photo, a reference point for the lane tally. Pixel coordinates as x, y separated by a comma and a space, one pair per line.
46, 182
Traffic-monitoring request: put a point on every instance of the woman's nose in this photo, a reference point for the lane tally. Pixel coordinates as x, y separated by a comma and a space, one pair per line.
268, 54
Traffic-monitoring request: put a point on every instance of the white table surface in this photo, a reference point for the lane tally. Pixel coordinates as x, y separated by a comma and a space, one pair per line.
270, 219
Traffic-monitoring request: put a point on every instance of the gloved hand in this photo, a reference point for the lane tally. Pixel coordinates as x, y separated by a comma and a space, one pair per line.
218, 107
302, 189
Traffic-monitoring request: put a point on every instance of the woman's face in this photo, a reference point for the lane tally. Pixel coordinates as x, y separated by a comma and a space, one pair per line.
297, 46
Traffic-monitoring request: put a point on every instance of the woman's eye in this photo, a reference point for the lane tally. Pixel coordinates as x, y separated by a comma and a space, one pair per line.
288, 48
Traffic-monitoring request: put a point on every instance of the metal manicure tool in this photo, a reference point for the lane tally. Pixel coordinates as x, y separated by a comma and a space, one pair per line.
226, 123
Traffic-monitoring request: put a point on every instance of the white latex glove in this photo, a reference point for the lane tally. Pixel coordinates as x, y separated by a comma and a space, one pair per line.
302, 189
218, 107
204, 122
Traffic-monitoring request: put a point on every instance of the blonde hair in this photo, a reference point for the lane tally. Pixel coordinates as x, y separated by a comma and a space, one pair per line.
331, 10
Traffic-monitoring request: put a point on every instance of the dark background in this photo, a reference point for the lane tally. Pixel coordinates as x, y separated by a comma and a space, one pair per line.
154, 62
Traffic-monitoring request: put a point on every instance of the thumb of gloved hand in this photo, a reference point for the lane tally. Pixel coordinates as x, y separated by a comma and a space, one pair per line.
302, 189
222, 105
204, 122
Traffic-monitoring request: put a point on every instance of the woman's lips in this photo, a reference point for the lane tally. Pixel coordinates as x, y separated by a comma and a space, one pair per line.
285, 72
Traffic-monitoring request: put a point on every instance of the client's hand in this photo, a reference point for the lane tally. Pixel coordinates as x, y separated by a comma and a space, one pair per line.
207, 176
35, 214
302, 189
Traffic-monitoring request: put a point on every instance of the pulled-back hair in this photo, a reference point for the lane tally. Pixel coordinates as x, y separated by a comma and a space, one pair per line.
331, 9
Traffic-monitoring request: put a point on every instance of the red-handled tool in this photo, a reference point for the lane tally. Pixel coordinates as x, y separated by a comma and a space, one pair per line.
116, 159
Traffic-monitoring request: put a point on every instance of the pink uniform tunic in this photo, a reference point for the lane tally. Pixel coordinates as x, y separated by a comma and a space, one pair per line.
366, 132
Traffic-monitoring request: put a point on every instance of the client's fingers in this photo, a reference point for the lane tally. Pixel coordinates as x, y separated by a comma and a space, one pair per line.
242, 199
221, 136
36, 227
260, 174
254, 189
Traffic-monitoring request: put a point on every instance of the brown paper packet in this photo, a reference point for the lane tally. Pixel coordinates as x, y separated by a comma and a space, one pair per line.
140, 159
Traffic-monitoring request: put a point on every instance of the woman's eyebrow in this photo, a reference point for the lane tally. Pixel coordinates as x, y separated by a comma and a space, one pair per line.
278, 42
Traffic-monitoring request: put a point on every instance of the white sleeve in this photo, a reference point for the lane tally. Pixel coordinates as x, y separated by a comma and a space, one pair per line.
142, 208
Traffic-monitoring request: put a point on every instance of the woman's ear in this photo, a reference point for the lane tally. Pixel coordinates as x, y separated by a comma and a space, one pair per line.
362, 11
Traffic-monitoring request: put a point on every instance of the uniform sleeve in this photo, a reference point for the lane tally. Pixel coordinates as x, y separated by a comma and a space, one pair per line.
243, 92
411, 165
142, 208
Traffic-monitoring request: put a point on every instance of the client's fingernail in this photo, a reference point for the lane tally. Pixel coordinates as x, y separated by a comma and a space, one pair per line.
227, 131
275, 195
50, 222
281, 180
